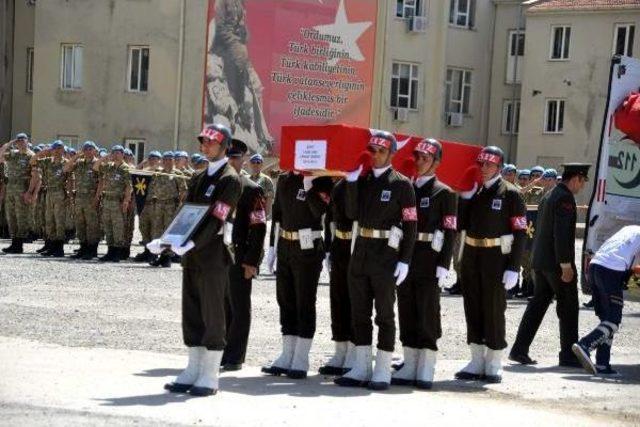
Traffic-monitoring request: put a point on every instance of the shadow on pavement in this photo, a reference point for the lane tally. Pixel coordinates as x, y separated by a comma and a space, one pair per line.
529, 369
162, 372
146, 400
629, 375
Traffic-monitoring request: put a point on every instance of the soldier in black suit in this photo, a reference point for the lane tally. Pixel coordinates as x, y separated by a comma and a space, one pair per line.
249, 230
419, 295
205, 267
554, 269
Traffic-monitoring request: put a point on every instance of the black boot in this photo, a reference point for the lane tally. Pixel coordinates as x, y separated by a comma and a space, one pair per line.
456, 289
58, 249
108, 256
45, 247
116, 254
164, 260
15, 248
145, 256
80, 252
125, 253
90, 252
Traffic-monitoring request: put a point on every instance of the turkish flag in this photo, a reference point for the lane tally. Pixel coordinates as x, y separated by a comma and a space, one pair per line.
343, 148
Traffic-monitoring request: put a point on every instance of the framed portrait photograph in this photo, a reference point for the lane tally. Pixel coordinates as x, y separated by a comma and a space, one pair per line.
184, 224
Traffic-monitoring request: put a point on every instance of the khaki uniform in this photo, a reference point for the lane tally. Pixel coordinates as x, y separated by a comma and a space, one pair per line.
165, 192
55, 203
18, 172
116, 180
86, 214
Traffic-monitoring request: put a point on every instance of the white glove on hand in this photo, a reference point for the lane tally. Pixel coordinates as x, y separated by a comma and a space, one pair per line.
510, 279
271, 259
307, 182
441, 274
402, 269
353, 175
155, 247
466, 195
327, 263
181, 250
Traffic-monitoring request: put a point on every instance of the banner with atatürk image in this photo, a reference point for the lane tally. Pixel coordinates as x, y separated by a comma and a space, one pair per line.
288, 62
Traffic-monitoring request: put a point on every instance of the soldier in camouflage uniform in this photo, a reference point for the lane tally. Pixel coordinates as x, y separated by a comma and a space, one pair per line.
51, 164
70, 202
16, 156
167, 190
145, 218
182, 163
86, 201
532, 195
130, 217
38, 205
115, 189
256, 163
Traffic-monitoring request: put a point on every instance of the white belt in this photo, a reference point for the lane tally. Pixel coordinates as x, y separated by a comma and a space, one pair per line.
294, 235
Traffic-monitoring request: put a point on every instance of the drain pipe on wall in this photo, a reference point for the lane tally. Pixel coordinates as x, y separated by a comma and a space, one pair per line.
178, 103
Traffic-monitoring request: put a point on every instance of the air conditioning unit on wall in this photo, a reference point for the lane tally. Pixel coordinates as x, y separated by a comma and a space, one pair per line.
401, 115
455, 119
418, 24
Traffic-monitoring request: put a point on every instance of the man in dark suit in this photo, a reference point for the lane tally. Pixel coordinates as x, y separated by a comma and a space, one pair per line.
554, 268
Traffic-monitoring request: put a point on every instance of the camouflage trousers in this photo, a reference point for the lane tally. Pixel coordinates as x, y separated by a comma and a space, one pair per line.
70, 219
55, 215
145, 221
38, 211
86, 218
163, 213
17, 212
113, 222
130, 219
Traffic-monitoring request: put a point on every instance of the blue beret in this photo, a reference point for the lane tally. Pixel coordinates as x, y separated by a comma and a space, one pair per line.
201, 159
155, 154
168, 155
128, 152
72, 151
195, 156
509, 168
550, 173
57, 144
22, 135
256, 158
538, 169
37, 149
181, 154
524, 172
88, 145
116, 148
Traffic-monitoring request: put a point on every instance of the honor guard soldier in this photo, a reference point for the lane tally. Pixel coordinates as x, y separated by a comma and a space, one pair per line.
145, 218
339, 235
383, 203
16, 157
554, 269
51, 162
249, 231
115, 189
86, 206
419, 295
256, 163
299, 205
205, 260
494, 222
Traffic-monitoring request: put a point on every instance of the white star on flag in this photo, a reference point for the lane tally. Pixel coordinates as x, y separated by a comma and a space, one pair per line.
348, 32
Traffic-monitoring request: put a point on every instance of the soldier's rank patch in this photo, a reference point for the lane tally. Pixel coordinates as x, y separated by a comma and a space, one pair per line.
410, 214
496, 205
302, 195
210, 190
450, 222
221, 210
518, 223
385, 196
424, 202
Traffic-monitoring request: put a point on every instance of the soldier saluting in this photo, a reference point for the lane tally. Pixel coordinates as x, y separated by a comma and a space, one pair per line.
383, 203
419, 295
495, 223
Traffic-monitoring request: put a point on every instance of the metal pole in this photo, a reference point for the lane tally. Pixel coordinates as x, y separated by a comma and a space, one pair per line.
178, 103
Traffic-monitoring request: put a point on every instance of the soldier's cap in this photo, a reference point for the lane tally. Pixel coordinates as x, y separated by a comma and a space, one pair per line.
88, 145
550, 173
155, 154
37, 149
509, 168
195, 157
537, 169
22, 135
524, 172
256, 158
168, 155
103, 153
181, 154
72, 151
57, 144
117, 148
237, 148
40, 146
128, 152
201, 160
581, 169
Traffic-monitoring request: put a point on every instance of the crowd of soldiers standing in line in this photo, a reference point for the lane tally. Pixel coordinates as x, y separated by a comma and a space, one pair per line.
53, 193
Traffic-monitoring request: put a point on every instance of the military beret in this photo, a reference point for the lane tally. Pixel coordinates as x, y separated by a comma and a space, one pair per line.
155, 154
89, 145
37, 149
181, 154
201, 160
22, 135
256, 158
72, 151
509, 168
550, 173
168, 155
128, 152
57, 144
537, 169
524, 172
117, 148
195, 157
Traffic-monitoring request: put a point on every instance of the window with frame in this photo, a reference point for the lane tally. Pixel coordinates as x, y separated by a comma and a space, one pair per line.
462, 13
515, 62
457, 91
554, 116
623, 39
138, 73
560, 42
69, 140
137, 147
510, 117
404, 85
71, 67
29, 69
408, 8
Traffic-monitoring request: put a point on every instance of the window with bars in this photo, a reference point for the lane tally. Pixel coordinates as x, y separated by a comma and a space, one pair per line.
408, 8
560, 42
404, 85
554, 116
462, 13
515, 58
623, 39
510, 117
457, 91
29, 69
138, 74
137, 148
71, 67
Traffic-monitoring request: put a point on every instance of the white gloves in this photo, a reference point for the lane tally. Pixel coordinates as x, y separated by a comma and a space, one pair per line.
155, 247
441, 274
353, 175
327, 263
271, 259
466, 195
402, 269
510, 279
181, 250
307, 182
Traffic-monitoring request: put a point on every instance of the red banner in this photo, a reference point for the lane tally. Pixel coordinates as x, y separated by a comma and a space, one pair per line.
284, 62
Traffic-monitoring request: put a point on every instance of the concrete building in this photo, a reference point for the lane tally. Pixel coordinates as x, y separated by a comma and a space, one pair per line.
6, 67
566, 70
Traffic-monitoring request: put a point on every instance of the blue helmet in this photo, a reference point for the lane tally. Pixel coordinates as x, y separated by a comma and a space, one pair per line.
117, 148
155, 154
57, 144
508, 168
550, 173
537, 169
181, 155
524, 173
168, 155
88, 145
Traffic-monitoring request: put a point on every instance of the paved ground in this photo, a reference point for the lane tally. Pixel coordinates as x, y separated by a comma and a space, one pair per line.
86, 343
